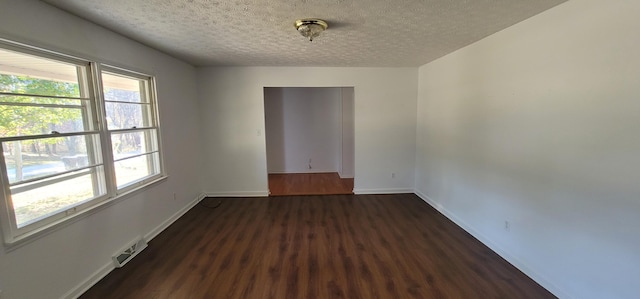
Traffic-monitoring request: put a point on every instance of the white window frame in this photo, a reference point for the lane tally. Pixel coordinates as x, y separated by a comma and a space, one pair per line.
14, 235
154, 124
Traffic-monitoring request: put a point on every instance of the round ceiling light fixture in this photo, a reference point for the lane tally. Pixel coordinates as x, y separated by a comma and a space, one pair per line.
311, 28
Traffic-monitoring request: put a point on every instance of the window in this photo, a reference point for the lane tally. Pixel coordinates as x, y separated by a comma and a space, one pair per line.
74, 134
132, 127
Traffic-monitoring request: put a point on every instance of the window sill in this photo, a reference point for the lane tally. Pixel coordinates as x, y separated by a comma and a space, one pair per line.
26, 238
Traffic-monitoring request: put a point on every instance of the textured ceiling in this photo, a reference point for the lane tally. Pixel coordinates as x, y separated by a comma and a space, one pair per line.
261, 32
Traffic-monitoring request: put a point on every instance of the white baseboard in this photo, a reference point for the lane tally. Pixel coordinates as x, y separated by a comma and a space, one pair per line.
383, 191
238, 194
494, 247
346, 175
341, 175
90, 281
158, 229
107, 268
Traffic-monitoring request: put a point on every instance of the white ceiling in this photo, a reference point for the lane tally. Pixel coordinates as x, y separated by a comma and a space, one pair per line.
261, 32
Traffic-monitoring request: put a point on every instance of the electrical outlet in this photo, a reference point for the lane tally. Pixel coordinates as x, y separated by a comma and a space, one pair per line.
174, 196
393, 175
507, 225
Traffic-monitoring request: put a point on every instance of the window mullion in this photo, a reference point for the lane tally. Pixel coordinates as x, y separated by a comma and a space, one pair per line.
155, 119
90, 120
135, 156
42, 136
47, 180
42, 96
127, 130
19, 104
7, 216
148, 119
105, 136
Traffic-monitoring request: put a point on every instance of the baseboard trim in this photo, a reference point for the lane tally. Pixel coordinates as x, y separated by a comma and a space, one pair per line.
158, 229
495, 247
346, 175
108, 267
90, 281
238, 194
303, 171
383, 191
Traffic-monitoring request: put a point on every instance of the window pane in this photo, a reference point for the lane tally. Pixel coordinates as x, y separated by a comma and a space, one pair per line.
26, 74
134, 169
29, 159
40, 202
121, 89
33, 120
134, 143
127, 116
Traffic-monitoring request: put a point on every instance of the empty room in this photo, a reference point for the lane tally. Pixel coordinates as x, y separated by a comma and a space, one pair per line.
479, 149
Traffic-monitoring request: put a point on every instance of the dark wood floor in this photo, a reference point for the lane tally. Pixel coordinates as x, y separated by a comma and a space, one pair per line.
343, 246
309, 184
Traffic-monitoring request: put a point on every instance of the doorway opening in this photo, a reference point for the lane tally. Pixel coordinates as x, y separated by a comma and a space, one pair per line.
309, 135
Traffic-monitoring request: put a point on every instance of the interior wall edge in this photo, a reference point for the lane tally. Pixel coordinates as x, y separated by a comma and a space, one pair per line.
522, 266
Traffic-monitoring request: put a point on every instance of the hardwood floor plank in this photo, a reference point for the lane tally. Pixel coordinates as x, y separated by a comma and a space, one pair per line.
338, 246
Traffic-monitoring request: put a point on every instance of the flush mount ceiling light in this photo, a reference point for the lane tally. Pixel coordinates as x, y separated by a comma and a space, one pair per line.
311, 28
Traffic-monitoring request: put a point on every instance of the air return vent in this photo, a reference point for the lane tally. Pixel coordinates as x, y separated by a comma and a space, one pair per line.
126, 254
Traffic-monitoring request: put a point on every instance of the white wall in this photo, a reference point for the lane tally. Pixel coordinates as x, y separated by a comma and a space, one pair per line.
303, 128
538, 125
57, 263
232, 110
347, 169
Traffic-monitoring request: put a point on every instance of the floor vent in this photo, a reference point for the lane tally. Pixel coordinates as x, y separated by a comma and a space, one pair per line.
126, 254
